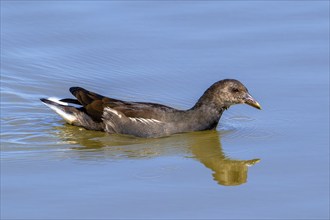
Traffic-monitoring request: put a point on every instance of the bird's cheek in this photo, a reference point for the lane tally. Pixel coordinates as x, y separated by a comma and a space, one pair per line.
241, 100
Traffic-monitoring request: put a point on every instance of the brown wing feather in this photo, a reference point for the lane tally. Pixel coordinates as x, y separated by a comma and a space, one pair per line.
144, 110
95, 103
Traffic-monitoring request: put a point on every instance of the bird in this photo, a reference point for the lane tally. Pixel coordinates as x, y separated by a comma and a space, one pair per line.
149, 120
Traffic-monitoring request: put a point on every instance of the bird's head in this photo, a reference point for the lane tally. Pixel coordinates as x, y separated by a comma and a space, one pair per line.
229, 92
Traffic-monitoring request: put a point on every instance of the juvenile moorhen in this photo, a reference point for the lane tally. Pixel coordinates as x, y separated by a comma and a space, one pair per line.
143, 119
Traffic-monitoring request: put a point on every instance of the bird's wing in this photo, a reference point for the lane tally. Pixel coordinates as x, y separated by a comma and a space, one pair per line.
94, 105
116, 122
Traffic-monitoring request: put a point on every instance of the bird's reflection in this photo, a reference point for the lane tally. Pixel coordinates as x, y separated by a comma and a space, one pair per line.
226, 171
203, 146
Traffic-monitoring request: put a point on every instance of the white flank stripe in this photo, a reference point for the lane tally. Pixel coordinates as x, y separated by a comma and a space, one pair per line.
113, 111
109, 124
132, 119
142, 120
155, 120
145, 120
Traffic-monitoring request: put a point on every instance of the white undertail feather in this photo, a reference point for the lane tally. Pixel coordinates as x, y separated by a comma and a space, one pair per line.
57, 100
69, 118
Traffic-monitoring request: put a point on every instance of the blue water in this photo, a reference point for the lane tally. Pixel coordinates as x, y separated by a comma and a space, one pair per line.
272, 163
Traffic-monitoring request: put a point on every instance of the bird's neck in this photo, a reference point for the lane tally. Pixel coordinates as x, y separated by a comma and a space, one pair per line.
203, 117
206, 113
211, 101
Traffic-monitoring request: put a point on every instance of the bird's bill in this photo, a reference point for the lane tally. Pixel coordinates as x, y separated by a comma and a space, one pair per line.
249, 100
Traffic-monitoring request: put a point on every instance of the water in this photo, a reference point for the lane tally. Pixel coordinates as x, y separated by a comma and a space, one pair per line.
272, 163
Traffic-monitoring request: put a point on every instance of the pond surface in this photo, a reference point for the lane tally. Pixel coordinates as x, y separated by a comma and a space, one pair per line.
272, 163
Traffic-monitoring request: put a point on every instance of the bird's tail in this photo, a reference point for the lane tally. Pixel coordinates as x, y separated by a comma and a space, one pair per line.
67, 112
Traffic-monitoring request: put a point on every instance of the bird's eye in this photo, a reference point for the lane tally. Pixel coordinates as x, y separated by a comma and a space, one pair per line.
235, 90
